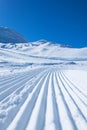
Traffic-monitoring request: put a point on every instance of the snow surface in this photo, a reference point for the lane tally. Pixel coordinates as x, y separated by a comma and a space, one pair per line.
43, 86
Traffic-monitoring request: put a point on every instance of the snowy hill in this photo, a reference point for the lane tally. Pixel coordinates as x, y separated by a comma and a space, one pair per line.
8, 35
41, 53
43, 86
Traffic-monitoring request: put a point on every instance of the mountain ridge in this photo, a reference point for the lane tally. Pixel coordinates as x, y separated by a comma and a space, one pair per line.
8, 35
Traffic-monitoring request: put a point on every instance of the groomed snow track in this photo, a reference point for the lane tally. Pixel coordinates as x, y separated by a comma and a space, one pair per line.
41, 99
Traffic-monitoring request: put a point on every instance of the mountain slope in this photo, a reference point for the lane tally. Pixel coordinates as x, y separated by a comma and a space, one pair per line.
43, 86
10, 36
38, 53
43, 99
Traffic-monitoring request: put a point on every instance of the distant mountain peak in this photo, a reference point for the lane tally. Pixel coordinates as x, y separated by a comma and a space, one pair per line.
8, 35
43, 41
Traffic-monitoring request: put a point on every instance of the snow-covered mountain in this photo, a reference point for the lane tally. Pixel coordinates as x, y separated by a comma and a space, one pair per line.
43, 86
8, 35
41, 53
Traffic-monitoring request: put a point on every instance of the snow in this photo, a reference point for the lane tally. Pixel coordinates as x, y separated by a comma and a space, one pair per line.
43, 86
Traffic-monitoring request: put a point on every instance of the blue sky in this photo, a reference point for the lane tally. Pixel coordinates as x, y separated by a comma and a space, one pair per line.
62, 21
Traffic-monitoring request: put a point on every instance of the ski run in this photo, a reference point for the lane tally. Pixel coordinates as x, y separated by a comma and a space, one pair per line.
43, 86
44, 98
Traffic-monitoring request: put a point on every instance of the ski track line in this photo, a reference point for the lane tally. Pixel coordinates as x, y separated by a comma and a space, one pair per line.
8, 78
18, 77
77, 115
15, 82
37, 118
25, 111
51, 101
7, 122
12, 88
49, 118
69, 114
80, 103
17, 91
75, 86
64, 117
43, 105
12, 81
24, 76
3, 79
80, 93
14, 92
74, 100
55, 108
72, 88
23, 86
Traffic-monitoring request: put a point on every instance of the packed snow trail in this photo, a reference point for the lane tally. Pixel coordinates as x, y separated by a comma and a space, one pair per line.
42, 99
